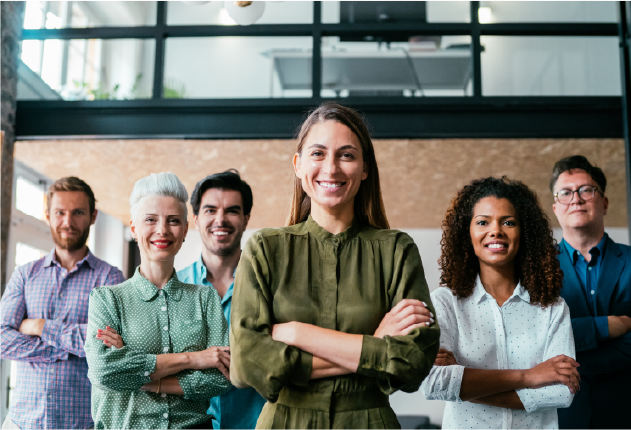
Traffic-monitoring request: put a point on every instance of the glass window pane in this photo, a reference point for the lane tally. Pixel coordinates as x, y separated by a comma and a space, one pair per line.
422, 66
24, 254
548, 11
89, 69
218, 13
550, 66
81, 14
29, 198
349, 12
237, 67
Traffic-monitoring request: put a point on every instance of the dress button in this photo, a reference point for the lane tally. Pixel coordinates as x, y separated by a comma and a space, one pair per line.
164, 308
160, 292
165, 349
165, 415
146, 373
593, 292
165, 328
164, 394
589, 268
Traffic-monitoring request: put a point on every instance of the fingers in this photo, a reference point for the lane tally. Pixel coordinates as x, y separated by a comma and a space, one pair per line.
223, 370
225, 360
412, 327
224, 348
407, 302
416, 319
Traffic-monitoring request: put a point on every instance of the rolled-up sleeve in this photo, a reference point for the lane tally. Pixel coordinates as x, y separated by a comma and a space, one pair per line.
560, 340
207, 383
123, 369
444, 382
257, 360
403, 362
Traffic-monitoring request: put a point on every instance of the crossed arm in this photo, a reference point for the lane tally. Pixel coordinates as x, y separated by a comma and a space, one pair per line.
498, 387
336, 353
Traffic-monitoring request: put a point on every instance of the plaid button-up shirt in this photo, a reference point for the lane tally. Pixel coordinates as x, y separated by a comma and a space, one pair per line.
53, 390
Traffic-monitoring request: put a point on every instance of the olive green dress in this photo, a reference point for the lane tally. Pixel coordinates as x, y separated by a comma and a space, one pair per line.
345, 282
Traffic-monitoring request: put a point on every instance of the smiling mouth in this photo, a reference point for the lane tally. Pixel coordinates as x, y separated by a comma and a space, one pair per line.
331, 185
220, 233
161, 244
497, 246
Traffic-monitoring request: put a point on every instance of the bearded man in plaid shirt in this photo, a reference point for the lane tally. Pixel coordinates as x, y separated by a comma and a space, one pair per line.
44, 315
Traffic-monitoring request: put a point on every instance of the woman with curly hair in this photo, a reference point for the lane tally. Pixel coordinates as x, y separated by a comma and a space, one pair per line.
507, 349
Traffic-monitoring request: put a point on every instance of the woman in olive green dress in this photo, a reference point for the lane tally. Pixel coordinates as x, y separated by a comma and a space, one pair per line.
332, 313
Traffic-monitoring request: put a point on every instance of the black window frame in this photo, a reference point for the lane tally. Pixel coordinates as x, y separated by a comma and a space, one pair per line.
390, 117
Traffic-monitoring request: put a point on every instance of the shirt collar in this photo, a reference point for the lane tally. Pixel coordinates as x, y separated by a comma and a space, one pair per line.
148, 290
479, 293
90, 259
602, 245
203, 273
325, 236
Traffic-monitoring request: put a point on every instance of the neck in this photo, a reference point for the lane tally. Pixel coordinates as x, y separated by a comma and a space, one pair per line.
334, 220
157, 272
499, 282
584, 239
68, 259
220, 267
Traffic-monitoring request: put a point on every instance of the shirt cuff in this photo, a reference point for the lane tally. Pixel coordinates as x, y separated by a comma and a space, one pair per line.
373, 356
602, 328
525, 395
50, 331
302, 369
149, 367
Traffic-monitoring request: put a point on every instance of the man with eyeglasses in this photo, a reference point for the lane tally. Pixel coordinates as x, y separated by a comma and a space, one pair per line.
597, 289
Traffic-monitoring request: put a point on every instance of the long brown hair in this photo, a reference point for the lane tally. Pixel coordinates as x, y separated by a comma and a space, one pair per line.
369, 209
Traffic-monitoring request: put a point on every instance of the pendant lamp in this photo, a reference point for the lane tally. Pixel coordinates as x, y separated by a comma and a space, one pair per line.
245, 15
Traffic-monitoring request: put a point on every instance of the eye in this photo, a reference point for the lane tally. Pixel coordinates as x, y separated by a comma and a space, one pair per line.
317, 153
481, 223
348, 156
565, 193
174, 220
150, 219
510, 222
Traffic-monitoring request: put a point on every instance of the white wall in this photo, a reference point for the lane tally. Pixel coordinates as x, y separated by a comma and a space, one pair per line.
109, 240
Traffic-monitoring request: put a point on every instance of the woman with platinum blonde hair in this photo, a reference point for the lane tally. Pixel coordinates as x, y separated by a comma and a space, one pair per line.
157, 349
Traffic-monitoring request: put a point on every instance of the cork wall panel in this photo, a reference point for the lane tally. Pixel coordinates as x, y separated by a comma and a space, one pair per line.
418, 177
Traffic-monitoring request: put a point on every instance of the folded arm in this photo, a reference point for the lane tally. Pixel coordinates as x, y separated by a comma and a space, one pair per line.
15, 344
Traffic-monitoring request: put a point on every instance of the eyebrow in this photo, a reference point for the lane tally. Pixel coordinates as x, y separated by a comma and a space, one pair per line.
503, 217
215, 207
320, 146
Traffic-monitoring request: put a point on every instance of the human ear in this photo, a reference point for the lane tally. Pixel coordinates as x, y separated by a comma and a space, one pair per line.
296, 162
606, 205
93, 217
365, 172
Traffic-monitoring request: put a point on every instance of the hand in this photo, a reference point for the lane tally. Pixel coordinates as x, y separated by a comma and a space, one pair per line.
150, 387
285, 332
217, 357
32, 326
407, 315
110, 337
445, 358
618, 325
560, 369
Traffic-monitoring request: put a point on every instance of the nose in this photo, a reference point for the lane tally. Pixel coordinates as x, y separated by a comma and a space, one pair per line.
331, 165
161, 228
496, 229
220, 217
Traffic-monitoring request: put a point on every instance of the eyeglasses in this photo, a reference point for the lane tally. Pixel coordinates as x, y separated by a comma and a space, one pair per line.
586, 192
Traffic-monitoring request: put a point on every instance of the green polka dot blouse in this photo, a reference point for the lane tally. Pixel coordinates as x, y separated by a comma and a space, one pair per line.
178, 318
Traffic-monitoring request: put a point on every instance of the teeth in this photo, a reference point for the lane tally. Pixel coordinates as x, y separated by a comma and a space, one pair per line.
220, 233
496, 246
330, 185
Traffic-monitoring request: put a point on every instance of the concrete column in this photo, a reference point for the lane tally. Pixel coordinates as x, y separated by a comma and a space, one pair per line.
12, 18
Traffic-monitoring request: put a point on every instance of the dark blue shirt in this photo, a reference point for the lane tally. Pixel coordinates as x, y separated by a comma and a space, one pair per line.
588, 274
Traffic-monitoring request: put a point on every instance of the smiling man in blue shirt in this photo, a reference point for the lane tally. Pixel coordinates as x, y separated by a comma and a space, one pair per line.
597, 289
221, 206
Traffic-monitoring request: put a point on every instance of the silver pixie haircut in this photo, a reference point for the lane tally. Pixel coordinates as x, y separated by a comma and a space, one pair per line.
165, 184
